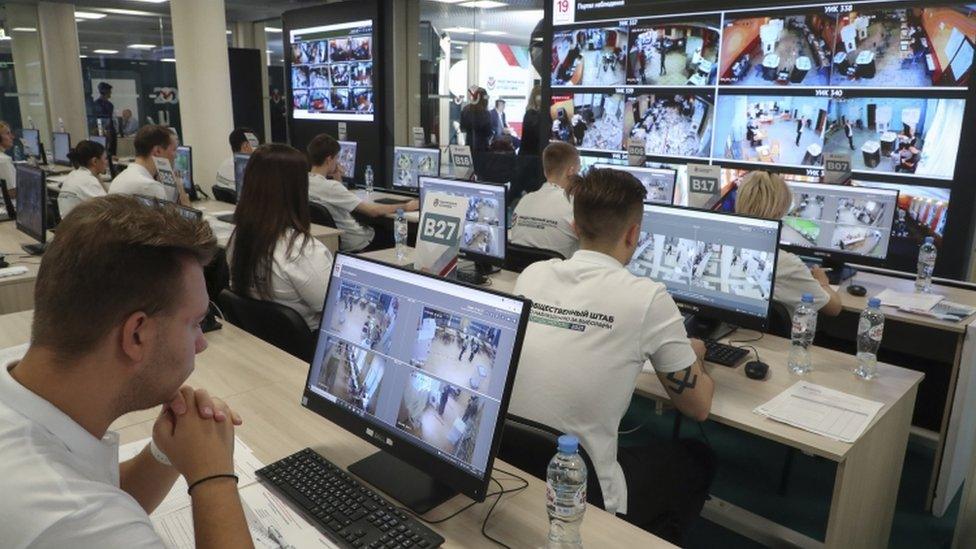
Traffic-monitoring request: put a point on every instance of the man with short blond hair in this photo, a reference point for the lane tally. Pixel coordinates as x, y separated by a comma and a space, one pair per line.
544, 219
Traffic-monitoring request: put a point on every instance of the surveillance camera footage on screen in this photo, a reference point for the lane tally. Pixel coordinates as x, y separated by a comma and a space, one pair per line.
332, 72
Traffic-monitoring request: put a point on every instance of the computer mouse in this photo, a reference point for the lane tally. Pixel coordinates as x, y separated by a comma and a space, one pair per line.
756, 370
857, 290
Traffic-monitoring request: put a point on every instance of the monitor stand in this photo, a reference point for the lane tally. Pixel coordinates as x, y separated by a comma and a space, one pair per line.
707, 329
837, 271
415, 489
34, 249
210, 323
475, 272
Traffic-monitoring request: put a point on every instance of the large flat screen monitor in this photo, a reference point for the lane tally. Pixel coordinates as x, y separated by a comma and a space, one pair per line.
347, 158
183, 167
420, 366
483, 238
240, 164
32, 142
659, 182
332, 71
840, 223
32, 205
62, 146
410, 164
716, 265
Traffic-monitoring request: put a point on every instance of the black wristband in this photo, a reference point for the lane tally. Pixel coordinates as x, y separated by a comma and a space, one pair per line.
212, 477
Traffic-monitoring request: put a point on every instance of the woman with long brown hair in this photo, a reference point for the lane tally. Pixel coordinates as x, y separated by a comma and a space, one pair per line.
272, 253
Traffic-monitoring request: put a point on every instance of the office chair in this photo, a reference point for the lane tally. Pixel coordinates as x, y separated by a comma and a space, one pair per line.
780, 320
320, 215
8, 203
518, 257
276, 324
530, 445
225, 195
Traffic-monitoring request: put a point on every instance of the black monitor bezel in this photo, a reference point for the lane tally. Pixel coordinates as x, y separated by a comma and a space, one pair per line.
407, 451
416, 188
21, 169
743, 320
674, 180
239, 183
56, 162
37, 139
830, 255
476, 257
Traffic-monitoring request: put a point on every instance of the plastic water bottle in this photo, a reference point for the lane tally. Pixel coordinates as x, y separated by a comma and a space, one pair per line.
400, 235
369, 181
804, 327
926, 264
566, 495
869, 331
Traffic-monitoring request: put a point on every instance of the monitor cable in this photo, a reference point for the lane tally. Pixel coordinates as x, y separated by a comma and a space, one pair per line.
743, 344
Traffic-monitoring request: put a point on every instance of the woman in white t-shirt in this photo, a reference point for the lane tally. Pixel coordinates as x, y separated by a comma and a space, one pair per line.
272, 253
763, 194
90, 162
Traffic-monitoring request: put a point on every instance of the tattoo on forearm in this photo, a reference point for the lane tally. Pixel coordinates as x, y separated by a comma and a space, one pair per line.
682, 380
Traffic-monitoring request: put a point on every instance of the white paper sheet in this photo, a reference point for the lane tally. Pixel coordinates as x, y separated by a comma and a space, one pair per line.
919, 301
833, 414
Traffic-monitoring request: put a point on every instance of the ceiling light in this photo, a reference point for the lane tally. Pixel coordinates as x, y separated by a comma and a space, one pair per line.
168, 60
82, 56
272, 29
150, 1
466, 30
483, 4
89, 15
5, 37
494, 33
140, 13
448, 1
141, 46
229, 32
24, 29
106, 52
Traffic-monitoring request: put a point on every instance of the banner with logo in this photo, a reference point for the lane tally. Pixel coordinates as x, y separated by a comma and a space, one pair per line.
439, 234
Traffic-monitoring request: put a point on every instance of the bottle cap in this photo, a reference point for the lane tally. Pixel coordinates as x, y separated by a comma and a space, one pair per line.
399, 211
929, 239
568, 444
874, 303
807, 298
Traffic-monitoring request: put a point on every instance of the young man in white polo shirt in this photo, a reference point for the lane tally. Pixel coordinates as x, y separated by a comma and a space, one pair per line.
120, 338
239, 143
140, 176
544, 219
593, 326
325, 187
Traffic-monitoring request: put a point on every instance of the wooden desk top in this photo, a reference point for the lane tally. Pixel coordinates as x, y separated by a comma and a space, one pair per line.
736, 395
10, 241
212, 208
503, 281
876, 283
412, 217
265, 385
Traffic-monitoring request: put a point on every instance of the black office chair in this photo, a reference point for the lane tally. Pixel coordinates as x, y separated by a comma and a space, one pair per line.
276, 324
8, 203
530, 445
518, 257
780, 320
320, 215
225, 195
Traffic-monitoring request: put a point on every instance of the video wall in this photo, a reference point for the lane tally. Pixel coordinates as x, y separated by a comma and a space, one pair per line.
884, 84
332, 72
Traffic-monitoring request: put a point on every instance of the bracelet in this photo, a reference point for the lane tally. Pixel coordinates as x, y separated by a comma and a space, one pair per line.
212, 477
158, 454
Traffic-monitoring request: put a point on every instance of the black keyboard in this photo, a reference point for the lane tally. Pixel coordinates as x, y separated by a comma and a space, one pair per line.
726, 355
392, 200
349, 512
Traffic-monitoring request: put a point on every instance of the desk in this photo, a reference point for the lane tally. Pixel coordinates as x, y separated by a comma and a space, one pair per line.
412, 217
502, 281
868, 471
213, 208
265, 384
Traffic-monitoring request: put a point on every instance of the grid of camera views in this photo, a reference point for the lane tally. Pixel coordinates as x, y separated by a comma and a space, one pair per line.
418, 367
782, 86
347, 158
410, 164
332, 71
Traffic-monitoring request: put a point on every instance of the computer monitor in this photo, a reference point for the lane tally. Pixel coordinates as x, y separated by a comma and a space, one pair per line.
483, 238
389, 367
838, 223
659, 182
62, 146
240, 164
347, 158
192, 214
411, 163
32, 206
183, 166
719, 267
100, 139
31, 139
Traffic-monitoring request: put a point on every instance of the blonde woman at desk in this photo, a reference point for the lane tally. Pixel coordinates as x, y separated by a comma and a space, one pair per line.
83, 183
764, 194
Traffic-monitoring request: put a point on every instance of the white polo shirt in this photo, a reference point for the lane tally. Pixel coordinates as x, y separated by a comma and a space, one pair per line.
340, 202
592, 327
137, 180
298, 279
793, 279
544, 219
226, 177
60, 483
8, 172
78, 186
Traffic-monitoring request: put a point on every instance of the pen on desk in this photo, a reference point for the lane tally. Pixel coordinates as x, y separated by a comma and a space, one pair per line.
276, 537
